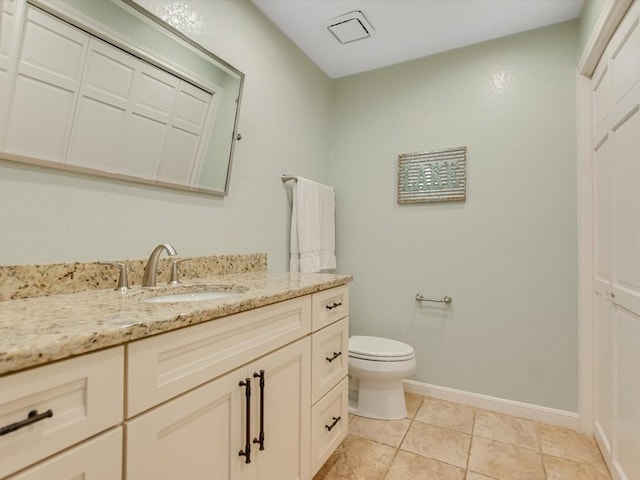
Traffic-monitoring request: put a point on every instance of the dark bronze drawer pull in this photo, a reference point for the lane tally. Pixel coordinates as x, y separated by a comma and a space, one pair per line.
260, 439
32, 417
335, 421
333, 357
335, 304
247, 446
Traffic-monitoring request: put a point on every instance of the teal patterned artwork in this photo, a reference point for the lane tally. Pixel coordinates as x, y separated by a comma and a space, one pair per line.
434, 176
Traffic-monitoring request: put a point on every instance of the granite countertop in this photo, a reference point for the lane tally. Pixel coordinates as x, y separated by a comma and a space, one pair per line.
34, 331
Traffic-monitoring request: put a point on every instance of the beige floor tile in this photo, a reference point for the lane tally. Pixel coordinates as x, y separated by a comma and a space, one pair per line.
413, 401
504, 462
567, 443
446, 414
506, 429
438, 443
357, 459
563, 469
477, 476
408, 466
389, 432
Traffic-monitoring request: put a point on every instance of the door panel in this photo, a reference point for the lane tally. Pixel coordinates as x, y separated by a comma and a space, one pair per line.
287, 414
602, 216
193, 437
604, 366
628, 395
626, 219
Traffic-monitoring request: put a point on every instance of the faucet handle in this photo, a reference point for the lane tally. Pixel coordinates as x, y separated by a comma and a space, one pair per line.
123, 280
174, 270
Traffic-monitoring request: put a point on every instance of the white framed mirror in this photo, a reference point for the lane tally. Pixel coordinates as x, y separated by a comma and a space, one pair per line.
105, 87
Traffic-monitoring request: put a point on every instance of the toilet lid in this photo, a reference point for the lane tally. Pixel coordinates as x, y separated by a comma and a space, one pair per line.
377, 348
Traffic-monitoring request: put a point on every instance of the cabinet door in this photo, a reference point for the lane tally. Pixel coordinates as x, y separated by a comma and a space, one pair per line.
50, 63
196, 436
286, 409
96, 459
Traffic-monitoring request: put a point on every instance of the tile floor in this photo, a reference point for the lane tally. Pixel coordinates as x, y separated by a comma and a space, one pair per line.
447, 441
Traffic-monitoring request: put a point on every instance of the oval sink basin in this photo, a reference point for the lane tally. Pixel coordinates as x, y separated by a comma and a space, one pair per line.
190, 297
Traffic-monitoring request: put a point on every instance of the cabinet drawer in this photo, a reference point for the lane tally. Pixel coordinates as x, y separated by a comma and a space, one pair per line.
329, 418
167, 365
329, 306
84, 394
96, 459
330, 358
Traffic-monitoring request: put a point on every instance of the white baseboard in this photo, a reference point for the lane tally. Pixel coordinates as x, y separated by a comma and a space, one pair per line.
529, 411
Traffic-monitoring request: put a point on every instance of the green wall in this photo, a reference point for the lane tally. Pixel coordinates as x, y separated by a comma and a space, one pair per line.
508, 254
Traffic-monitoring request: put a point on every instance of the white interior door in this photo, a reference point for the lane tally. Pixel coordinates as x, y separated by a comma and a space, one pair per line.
616, 141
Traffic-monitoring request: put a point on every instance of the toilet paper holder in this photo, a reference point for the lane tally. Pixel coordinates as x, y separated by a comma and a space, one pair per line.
446, 299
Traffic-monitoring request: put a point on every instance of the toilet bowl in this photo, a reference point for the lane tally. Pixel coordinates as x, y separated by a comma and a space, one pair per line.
377, 367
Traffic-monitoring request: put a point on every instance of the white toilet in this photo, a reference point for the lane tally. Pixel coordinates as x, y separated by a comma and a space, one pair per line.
377, 367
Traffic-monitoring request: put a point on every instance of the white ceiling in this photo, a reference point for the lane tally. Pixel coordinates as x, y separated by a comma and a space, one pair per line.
407, 29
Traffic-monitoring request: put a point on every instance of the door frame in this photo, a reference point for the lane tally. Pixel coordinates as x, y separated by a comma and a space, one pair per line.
610, 17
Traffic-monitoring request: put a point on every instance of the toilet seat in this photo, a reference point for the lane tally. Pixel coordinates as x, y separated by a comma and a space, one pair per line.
379, 349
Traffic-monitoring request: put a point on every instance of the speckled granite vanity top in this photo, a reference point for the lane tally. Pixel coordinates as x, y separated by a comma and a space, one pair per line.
38, 330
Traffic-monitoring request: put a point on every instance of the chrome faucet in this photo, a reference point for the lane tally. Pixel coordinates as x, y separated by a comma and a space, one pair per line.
151, 269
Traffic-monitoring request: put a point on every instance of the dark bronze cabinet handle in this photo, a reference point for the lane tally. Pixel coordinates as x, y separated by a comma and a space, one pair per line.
333, 357
247, 446
260, 439
335, 421
32, 417
335, 304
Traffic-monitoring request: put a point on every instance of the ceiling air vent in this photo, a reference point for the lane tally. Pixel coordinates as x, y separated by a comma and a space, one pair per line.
350, 27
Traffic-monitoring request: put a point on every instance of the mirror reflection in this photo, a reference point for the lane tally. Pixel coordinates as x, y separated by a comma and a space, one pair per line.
107, 88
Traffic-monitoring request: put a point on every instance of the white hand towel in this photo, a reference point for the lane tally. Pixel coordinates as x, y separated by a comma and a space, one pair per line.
313, 236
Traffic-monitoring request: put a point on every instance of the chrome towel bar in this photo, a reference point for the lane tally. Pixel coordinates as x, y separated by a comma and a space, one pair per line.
446, 299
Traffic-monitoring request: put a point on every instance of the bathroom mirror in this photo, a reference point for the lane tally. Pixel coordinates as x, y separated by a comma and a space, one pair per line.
105, 87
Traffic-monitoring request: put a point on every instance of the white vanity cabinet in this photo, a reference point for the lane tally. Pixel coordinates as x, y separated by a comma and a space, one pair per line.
200, 432
74, 400
257, 395
199, 435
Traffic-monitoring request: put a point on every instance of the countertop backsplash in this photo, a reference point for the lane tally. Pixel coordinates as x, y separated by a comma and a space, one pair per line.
27, 281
